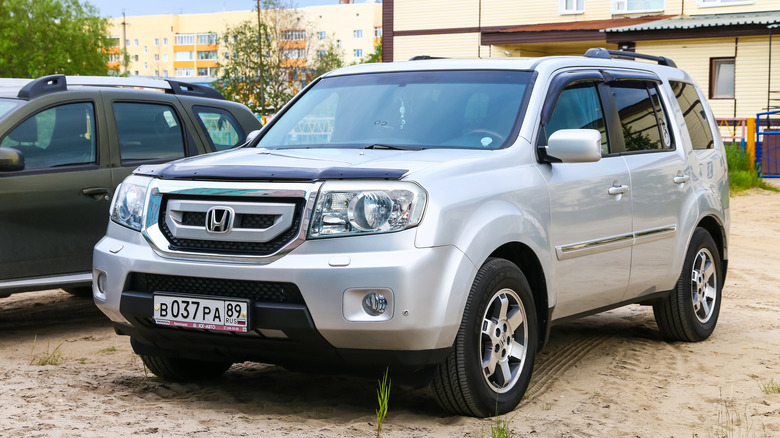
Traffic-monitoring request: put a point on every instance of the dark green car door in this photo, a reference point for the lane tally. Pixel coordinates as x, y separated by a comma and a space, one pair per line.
54, 211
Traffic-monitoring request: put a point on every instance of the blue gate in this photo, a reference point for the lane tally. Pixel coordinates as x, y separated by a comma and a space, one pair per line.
768, 144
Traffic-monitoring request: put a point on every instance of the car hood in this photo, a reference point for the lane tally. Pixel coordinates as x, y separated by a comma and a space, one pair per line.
306, 164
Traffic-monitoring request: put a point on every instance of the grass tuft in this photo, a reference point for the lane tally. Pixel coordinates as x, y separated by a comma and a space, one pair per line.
383, 396
499, 428
108, 350
45, 358
770, 387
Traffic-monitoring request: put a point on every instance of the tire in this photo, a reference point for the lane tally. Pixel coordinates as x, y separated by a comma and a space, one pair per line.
691, 311
497, 336
184, 370
80, 291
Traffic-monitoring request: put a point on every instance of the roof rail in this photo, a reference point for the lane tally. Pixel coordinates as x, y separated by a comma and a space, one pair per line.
424, 57
609, 54
43, 85
57, 83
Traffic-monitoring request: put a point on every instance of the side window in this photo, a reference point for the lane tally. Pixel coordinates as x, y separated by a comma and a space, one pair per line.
694, 114
579, 107
223, 129
60, 136
148, 132
642, 118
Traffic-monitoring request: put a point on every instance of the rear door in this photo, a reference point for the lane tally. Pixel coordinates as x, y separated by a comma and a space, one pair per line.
56, 209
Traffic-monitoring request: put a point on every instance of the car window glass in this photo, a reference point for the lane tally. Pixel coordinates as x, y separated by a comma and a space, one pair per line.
60, 136
6, 105
694, 114
148, 132
644, 128
223, 129
579, 107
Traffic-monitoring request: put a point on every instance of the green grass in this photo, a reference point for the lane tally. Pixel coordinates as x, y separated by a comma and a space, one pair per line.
383, 396
742, 173
771, 387
499, 428
45, 358
108, 350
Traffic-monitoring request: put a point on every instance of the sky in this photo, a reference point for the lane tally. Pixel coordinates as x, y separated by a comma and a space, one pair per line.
113, 8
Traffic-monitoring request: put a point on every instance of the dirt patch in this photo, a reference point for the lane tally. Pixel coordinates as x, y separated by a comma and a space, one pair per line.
605, 375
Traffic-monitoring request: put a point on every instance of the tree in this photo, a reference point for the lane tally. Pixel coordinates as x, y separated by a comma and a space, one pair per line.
375, 56
241, 70
329, 57
42, 37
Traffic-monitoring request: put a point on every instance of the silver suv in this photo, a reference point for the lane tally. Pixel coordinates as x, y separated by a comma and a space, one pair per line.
436, 217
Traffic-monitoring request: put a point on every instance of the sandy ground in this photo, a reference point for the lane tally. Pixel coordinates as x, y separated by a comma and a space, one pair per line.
605, 375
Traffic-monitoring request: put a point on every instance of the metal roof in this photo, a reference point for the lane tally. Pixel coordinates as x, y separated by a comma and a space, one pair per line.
703, 21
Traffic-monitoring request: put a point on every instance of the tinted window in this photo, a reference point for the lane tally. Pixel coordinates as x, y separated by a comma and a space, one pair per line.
148, 132
579, 107
59, 136
223, 129
448, 109
641, 116
694, 114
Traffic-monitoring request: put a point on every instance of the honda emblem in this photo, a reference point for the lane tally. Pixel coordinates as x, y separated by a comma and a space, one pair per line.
219, 220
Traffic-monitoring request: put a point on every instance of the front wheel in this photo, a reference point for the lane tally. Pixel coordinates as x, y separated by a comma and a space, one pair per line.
691, 311
489, 368
174, 369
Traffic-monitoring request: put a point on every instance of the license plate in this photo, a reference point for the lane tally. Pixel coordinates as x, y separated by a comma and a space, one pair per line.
201, 313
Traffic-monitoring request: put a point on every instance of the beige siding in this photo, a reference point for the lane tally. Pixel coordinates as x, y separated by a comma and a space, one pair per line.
523, 12
435, 14
752, 70
692, 7
544, 49
464, 45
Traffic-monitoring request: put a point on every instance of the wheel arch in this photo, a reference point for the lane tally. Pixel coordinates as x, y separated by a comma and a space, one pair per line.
528, 262
718, 232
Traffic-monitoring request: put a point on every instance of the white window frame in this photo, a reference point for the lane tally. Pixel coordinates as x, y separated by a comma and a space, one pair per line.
156, 41
564, 11
722, 3
357, 34
184, 39
165, 57
321, 35
616, 9
715, 73
358, 53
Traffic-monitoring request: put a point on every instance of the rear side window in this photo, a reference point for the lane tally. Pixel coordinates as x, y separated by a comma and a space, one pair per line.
642, 119
694, 114
148, 132
223, 129
55, 137
579, 107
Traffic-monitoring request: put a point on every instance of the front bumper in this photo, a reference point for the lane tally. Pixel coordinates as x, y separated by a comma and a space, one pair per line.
429, 288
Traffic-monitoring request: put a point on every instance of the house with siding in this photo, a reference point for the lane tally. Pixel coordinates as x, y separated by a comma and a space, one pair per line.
726, 45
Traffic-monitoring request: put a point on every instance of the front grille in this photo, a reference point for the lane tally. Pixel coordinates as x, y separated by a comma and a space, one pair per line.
258, 291
252, 221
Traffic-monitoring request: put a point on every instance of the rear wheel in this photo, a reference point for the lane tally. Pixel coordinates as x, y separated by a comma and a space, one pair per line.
691, 311
489, 368
184, 370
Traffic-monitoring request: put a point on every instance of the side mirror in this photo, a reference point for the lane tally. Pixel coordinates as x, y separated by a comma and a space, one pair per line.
575, 145
249, 137
11, 160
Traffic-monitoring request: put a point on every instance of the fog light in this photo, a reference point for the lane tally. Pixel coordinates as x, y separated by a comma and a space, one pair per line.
102, 282
374, 303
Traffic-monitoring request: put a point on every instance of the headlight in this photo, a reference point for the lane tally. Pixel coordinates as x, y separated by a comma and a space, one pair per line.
127, 207
348, 208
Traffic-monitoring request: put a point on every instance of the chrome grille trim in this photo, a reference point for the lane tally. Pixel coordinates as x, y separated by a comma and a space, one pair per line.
177, 207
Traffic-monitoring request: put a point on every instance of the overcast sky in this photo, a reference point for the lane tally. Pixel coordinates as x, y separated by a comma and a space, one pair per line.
113, 8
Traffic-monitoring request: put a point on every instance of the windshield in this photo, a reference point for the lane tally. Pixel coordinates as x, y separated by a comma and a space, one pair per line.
474, 109
6, 105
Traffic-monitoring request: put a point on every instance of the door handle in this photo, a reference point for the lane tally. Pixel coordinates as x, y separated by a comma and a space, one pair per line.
617, 190
681, 179
96, 192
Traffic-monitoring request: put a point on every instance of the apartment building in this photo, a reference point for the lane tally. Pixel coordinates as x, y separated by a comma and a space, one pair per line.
726, 45
188, 46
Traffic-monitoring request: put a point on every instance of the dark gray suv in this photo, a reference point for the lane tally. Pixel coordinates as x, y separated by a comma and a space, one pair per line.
66, 143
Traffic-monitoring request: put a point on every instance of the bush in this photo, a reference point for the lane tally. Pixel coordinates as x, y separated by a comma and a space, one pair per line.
743, 174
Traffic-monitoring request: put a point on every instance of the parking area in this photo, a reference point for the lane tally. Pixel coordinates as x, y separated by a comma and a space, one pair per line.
63, 372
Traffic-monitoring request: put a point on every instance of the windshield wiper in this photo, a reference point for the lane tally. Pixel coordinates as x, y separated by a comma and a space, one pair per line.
394, 147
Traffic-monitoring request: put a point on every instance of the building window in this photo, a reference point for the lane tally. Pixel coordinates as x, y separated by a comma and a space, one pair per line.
572, 7
165, 41
338, 44
634, 6
721, 78
378, 32
185, 72
711, 3
113, 41
156, 58
293, 35
146, 50
207, 38
321, 35
165, 57
127, 42
181, 40
184, 56
135, 58
165, 73
357, 33
207, 71
135, 42
293, 53
136, 72
114, 57
358, 53
146, 65
156, 41
211, 54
